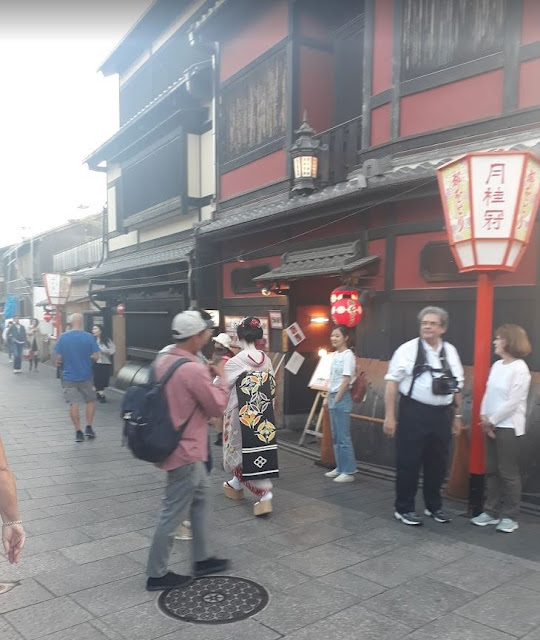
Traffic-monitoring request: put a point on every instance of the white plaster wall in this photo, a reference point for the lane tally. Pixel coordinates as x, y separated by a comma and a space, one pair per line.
176, 226
194, 165
121, 242
111, 208
208, 183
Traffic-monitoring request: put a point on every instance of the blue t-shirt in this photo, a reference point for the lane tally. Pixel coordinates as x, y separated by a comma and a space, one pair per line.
76, 348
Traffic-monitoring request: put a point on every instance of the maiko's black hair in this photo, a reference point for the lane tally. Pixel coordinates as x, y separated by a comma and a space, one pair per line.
250, 330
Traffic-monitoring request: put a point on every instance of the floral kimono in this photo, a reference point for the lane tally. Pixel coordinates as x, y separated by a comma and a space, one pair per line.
249, 431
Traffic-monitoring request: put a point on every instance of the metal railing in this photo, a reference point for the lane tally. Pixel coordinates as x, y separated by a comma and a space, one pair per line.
344, 141
79, 257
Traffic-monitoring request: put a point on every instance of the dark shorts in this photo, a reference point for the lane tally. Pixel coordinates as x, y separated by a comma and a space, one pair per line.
74, 391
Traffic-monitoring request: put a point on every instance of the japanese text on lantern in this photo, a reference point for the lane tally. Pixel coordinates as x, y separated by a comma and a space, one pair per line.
494, 197
528, 199
456, 183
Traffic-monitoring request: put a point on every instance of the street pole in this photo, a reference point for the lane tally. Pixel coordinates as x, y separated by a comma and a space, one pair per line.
482, 358
58, 322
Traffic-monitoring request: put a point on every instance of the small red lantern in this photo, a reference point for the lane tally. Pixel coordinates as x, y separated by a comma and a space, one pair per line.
121, 309
47, 316
345, 309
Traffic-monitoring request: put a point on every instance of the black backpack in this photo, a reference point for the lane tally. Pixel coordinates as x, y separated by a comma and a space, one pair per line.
148, 429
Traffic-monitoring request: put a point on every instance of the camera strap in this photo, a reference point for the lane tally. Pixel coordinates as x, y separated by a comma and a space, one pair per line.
421, 366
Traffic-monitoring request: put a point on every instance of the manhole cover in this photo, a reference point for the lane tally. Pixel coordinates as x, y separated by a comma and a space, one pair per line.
214, 600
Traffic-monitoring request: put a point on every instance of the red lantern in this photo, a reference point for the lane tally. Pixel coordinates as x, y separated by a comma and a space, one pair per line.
345, 309
121, 309
47, 316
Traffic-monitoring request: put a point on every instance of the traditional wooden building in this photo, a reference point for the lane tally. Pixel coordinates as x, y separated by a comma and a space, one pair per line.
394, 89
160, 177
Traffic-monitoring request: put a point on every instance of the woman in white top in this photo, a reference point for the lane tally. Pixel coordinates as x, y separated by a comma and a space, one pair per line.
340, 405
103, 366
503, 421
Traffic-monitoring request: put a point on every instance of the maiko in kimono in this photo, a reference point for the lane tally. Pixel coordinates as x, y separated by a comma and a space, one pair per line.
249, 429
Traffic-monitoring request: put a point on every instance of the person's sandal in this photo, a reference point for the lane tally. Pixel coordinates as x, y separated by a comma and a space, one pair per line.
233, 494
262, 508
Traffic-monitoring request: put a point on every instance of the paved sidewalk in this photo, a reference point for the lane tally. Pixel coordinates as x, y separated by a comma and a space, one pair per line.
334, 561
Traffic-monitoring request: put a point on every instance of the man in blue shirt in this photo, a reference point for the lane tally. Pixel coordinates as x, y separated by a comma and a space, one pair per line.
76, 350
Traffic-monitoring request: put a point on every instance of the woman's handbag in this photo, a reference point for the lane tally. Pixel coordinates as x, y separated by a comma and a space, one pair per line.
27, 353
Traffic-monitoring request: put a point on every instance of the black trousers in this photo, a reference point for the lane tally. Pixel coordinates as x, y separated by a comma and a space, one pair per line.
422, 442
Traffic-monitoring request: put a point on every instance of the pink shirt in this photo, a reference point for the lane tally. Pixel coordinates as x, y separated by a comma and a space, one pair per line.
190, 391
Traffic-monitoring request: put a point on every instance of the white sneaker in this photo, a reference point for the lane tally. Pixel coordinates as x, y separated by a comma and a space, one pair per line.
483, 520
184, 531
332, 474
507, 525
344, 477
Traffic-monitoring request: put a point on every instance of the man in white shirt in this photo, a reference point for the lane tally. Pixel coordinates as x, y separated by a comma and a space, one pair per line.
427, 374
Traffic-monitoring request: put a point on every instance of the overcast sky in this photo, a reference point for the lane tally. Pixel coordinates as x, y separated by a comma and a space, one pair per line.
55, 108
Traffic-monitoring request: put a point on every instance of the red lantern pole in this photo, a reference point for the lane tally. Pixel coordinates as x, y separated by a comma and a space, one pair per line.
482, 358
58, 322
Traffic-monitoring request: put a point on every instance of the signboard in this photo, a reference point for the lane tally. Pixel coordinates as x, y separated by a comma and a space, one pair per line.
490, 201
296, 335
232, 322
295, 362
320, 380
57, 287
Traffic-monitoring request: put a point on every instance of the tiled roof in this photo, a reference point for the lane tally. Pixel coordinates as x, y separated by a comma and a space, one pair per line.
330, 260
405, 168
153, 257
282, 204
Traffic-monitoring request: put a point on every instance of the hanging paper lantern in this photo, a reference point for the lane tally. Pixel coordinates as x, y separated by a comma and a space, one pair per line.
345, 309
47, 316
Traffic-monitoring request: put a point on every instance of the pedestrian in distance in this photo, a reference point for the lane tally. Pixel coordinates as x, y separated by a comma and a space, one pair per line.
12, 527
249, 430
427, 374
75, 351
502, 418
339, 402
222, 350
194, 394
34, 337
17, 334
102, 367
8, 342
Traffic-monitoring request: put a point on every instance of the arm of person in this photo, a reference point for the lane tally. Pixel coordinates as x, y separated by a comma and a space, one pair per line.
519, 389
212, 398
456, 368
95, 350
12, 534
58, 351
390, 395
397, 370
345, 384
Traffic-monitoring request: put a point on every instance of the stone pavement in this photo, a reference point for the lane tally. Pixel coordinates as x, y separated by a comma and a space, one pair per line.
334, 561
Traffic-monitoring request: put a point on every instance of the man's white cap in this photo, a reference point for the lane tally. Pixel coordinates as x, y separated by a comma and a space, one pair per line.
187, 324
224, 339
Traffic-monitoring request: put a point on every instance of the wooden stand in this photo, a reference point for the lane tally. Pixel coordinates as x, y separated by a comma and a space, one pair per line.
316, 414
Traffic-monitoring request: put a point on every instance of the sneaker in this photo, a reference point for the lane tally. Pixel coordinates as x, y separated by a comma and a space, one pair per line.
17, 371
344, 477
507, 525
410, 518
79, 436
483, 520
332, 474
90, 433
184, 531
211, 565
439, 515
169, 581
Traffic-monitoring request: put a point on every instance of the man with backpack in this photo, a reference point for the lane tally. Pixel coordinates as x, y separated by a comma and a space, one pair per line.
17, 335
428, 375
194, 395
